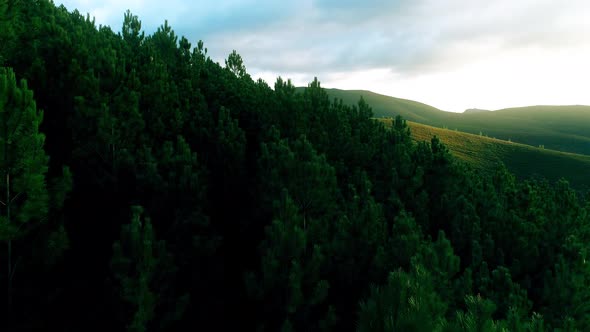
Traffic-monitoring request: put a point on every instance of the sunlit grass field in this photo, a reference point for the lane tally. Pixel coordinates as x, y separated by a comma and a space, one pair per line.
523, 160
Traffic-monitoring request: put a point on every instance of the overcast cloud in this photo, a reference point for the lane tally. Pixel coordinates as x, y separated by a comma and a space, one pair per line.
452, 54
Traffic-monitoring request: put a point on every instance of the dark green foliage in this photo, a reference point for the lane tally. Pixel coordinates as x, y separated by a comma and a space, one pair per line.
235, 64
8, 20
261, 209
23, 165
144, 273
407, 302
308, 177
291, 287
22, 158
134, 265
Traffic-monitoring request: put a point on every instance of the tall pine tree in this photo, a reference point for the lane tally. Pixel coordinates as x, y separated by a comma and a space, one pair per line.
23, 163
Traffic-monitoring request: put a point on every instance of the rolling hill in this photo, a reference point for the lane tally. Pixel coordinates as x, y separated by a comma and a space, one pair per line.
386, 106
562, 128
523, 160
475, 110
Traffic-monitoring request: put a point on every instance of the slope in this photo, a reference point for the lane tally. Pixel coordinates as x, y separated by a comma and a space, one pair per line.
563, 128
524, 161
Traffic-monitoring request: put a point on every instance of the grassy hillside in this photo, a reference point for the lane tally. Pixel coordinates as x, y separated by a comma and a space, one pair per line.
523, 160
386, 106
563, 128
383, 105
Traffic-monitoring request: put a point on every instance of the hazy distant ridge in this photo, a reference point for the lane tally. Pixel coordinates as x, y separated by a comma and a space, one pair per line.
475, 110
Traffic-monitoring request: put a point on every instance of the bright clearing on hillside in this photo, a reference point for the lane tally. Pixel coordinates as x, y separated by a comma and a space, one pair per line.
484, 153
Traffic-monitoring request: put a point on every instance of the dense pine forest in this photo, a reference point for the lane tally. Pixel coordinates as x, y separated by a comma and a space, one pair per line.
145, 187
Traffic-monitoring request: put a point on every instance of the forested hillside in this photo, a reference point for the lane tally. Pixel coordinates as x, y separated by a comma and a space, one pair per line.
562, 128
145, 187
524, 161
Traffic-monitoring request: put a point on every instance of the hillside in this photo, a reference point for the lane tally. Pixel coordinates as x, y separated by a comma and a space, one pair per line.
523, 160
563, 128
386, 106
149, 188
475, 110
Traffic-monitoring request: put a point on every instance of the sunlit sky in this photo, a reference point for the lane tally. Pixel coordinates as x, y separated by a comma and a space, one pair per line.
451, 54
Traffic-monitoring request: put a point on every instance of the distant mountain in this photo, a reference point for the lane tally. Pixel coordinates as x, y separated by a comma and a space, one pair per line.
475, 110
563, 128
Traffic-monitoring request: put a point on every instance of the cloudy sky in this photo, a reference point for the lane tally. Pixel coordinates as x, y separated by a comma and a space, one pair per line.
451, 54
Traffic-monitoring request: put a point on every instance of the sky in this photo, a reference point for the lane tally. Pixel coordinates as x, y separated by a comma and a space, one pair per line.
451, 54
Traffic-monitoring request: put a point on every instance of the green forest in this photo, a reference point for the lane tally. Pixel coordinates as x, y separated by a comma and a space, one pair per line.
146, 187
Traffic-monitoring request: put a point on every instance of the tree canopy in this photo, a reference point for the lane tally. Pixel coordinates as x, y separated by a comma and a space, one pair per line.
168, 191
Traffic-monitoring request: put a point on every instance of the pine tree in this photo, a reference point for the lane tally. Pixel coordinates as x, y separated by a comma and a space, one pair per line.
408, 302
23, 163
3, 26
145, 272
478, 316
291, 283
134, 265
7, 22
235, 64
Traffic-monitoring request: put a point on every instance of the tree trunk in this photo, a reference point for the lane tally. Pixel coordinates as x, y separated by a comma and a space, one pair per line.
9, 275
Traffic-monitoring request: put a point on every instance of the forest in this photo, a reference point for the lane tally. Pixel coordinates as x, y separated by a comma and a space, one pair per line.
146, 187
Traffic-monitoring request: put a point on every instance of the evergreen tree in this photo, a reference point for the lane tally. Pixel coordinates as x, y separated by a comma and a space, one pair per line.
235, 64
315, 198
24, 166
407, 302
143, 269
291, 289
8, 19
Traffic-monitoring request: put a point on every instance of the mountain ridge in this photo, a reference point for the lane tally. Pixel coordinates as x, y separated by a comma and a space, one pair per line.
558, 127
474, 110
